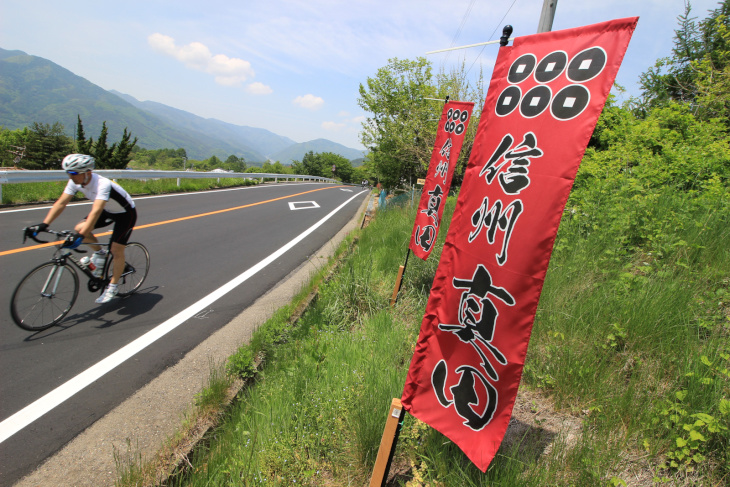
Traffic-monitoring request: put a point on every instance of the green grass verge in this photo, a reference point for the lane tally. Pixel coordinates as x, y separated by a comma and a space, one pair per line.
631, 338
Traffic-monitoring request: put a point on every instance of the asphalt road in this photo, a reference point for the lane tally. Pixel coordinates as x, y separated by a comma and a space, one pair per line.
212, 255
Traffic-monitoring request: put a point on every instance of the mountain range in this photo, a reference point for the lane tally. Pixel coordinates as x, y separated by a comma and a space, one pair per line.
34, 89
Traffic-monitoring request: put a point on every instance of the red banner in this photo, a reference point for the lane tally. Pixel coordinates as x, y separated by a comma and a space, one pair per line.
449, 138
544, 99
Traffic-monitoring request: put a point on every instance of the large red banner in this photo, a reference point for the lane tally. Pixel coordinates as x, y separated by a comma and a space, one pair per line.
544, 99
449, 139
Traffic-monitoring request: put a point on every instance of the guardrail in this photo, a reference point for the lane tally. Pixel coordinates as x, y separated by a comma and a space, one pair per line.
20, 176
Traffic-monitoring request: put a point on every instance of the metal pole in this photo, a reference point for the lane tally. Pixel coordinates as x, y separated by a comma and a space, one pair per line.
547, 16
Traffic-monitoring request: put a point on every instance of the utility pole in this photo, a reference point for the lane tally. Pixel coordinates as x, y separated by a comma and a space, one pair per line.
547, 16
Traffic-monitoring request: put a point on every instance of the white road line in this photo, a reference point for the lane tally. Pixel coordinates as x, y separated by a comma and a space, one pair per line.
32, 412
138, 198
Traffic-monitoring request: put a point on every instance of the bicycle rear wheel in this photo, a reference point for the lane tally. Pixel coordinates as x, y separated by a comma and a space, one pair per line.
44, 296
136, 267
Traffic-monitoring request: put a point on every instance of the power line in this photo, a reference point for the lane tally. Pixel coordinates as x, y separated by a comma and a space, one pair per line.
461, 26
491, 35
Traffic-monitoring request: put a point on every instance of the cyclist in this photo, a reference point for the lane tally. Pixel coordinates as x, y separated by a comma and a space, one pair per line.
111, 204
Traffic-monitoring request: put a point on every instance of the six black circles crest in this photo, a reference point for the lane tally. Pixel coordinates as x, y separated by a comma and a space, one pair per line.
569, 102
455, 119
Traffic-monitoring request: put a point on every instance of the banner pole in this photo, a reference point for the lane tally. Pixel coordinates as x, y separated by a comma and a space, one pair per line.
387, 444
402, 269
399, 279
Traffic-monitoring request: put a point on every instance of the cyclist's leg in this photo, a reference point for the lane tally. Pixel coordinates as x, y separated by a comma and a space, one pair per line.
123, 225
103, 221
117, 251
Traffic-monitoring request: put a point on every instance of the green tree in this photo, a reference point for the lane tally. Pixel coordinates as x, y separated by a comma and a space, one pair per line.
713, 77
46, 145
116, 156
403, 102
235, 163
83, 146
122, 150
12, 144
696, 44
275, 168
401, 119
321, 164
343, 169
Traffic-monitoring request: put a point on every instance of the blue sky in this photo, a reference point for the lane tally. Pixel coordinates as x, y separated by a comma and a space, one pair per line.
294, 67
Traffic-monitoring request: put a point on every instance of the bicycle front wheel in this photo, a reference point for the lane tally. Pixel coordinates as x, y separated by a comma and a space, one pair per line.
44, 296
136, 267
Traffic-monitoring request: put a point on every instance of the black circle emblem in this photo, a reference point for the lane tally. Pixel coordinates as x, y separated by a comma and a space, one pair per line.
535, 101
587, 64
522, 68
508, 101
551, 66
570, 102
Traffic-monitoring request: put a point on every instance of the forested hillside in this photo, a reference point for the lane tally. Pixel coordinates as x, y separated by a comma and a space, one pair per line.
36, 91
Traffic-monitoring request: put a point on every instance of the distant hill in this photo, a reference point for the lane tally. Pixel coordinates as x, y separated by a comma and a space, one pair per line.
297, 151
33, 89
262, 141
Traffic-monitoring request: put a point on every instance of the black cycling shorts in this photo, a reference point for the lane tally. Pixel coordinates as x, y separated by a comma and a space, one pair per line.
123, 224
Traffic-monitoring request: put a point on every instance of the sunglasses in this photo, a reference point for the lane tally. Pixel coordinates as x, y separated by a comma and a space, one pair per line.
73, 173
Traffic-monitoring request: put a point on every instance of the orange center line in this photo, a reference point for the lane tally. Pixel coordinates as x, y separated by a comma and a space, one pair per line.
50, 244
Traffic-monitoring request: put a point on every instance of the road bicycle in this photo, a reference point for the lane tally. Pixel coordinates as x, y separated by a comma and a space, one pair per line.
47, 293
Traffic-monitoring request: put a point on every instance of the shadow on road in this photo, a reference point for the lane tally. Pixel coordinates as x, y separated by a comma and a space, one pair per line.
111, 314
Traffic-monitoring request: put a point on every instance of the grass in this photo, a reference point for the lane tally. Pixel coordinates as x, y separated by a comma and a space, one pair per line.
630, 343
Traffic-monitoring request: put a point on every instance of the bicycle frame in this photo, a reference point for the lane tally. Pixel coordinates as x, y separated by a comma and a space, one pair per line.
63, 255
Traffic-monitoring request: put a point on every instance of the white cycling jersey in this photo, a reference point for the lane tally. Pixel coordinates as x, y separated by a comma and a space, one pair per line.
101, 188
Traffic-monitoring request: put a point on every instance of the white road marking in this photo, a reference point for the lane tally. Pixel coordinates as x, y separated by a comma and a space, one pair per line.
302, 205
33, 411
138, 198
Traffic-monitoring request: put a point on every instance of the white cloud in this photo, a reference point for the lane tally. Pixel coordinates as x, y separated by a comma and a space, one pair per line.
226, 70
310, 102
333, 126
259, 89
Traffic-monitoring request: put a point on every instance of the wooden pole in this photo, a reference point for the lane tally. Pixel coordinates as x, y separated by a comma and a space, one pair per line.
387, 444
547, 15
399, 279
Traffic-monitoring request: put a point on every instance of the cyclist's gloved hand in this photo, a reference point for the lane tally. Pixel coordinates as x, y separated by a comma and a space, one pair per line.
34, 230
73, 240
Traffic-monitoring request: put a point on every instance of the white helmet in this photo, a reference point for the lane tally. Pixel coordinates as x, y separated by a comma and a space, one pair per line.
78, 163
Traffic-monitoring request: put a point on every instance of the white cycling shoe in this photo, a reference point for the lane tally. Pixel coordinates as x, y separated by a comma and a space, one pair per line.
109, 293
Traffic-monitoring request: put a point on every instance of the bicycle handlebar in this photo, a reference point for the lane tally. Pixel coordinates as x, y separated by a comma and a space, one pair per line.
65, 235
